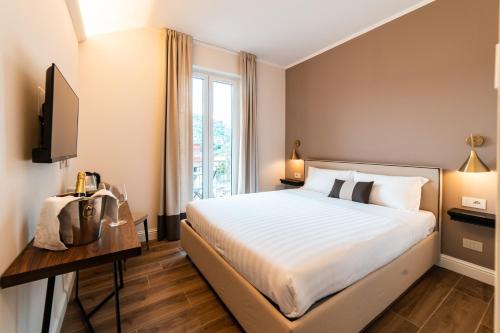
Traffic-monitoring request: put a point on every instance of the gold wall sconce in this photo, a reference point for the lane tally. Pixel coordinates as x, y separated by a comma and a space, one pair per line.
473, 162
295, 166
295, 155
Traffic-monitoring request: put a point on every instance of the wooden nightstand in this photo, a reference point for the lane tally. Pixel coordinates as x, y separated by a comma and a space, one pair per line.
289, 182
472, 217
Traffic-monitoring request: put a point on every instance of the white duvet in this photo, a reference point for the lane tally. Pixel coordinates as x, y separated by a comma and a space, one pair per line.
298, 246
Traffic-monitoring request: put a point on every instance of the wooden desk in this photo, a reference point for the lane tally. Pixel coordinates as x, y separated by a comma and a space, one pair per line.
33, 264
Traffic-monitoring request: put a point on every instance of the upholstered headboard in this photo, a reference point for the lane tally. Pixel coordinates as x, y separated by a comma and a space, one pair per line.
431, 192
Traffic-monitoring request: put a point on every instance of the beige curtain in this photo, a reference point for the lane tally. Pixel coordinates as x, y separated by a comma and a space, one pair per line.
248, 173
177, 180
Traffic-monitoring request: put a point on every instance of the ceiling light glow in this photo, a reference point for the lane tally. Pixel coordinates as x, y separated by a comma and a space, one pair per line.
104, 16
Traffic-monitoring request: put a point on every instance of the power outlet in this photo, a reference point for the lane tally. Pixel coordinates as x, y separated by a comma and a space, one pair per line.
474, 202
297, 175
472, 245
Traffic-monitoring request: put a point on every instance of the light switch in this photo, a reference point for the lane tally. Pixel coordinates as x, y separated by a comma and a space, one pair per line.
474, 202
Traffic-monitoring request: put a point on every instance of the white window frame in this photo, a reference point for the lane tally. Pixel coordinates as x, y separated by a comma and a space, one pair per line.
208, 78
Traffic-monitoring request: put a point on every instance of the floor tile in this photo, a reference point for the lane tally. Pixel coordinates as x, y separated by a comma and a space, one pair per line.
183, 321
424, 297
475, 288
220, 325
460, 313
484, 329
488, 317
391, 322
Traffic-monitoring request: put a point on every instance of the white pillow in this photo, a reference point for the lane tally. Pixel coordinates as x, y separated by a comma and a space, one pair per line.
394, 191
321, 180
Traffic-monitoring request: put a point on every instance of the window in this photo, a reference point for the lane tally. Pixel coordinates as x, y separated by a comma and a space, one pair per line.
215, 130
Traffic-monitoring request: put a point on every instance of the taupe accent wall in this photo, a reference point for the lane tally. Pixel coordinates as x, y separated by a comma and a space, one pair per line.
408, 92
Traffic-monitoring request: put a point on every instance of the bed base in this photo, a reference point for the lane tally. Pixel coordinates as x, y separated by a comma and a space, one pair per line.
348, 311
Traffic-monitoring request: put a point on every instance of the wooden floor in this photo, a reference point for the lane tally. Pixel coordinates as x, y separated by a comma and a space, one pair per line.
165, 293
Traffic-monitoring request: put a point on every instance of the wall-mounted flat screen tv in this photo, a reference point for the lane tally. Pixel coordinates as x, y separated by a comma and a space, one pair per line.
59, 120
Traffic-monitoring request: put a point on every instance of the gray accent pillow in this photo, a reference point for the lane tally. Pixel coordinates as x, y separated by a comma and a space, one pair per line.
353, 191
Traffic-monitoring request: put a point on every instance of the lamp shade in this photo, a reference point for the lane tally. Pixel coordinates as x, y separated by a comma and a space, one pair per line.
294, 155
474, 164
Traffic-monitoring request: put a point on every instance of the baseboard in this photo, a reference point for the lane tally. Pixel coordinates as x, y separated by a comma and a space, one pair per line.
152, 233
469, 269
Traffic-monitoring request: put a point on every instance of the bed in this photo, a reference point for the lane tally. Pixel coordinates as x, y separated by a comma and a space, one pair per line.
284, 268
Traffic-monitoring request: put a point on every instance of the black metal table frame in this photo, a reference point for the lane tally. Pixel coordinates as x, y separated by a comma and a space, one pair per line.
117, 275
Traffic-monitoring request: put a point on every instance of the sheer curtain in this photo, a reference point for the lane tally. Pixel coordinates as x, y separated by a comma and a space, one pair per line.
177, 153
248, 181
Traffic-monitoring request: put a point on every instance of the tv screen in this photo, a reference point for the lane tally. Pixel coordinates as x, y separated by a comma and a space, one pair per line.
59, 120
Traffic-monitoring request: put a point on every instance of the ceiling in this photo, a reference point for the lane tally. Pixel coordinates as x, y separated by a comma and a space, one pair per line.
282, 32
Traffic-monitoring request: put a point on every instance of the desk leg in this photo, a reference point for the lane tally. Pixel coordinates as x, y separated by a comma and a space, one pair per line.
47, 311
86, 315
120, 272
117, 298
146, 233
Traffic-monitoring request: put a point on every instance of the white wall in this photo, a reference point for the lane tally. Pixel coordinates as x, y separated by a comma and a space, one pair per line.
33, 34
121, 101
122, 107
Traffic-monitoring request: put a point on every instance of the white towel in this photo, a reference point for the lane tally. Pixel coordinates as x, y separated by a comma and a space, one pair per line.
47, 228
112, 205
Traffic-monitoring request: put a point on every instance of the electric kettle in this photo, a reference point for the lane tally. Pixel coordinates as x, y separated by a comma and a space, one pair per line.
92, 180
